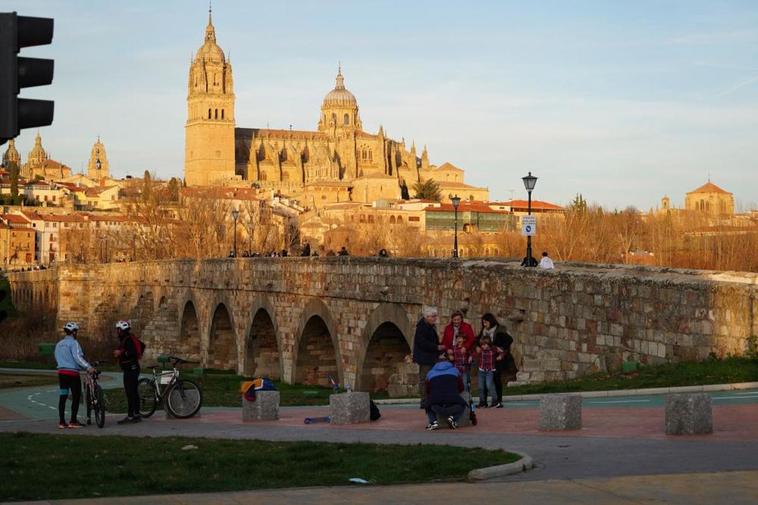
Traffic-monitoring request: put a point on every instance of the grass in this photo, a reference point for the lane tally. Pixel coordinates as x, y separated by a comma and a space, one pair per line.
22, 381
222, 389
124, 466
710, 371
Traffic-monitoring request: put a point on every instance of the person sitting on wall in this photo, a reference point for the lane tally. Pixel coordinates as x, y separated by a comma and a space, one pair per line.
383, 253
529, 262
546, 262
343, 251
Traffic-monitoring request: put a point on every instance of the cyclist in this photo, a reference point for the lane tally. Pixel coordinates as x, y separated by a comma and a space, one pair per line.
69, 360
129, 352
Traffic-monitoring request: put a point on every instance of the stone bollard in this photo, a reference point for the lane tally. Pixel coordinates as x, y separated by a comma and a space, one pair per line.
465, 419
688, 414
264, 408
349, 408
560, 412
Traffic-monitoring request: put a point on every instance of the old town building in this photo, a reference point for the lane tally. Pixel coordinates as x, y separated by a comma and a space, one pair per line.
711, 200
39, 165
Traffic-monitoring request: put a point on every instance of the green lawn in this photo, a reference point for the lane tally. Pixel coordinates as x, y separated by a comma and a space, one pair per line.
84, 467
222, 389
710, 371
23, 381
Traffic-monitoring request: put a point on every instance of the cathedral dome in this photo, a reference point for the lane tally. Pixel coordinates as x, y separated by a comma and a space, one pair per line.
340, 96
210, 51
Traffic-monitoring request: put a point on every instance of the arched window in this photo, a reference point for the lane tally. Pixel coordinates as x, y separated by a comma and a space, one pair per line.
334, 118
392, 219
346, 119
399, 219
209, 114
215, 114
222, 113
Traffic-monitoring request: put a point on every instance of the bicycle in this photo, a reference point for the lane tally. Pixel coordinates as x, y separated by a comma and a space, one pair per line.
182, 397
94, 397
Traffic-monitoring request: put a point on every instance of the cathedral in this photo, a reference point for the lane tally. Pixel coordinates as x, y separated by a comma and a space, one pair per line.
337, 162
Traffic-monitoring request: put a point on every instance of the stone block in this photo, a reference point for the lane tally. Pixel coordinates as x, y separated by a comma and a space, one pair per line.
349, 408
688, 414
264, 408
560, 412
465, 419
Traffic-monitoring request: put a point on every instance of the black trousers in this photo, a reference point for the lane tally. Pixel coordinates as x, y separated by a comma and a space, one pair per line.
131, 377
66, 383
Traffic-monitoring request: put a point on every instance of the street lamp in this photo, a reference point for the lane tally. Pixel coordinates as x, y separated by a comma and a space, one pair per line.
235, 216
529, 182
456, 202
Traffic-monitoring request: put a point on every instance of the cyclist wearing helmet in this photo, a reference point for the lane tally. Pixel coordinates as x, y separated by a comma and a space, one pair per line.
129, 353
69, 360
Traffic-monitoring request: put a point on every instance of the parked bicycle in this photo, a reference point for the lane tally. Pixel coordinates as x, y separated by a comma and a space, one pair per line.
94, 397
181, 397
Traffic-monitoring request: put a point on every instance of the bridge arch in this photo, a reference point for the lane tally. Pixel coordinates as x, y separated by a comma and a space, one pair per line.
262, 355
385, 342
222, 338
316, 355
190, 339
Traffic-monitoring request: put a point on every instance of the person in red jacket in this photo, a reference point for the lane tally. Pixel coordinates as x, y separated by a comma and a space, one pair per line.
458, 326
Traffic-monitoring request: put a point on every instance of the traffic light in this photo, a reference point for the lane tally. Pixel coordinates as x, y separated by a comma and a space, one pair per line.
16, 113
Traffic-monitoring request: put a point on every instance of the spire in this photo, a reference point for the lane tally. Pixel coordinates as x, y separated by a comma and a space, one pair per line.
381, 131
340, 80
210, 31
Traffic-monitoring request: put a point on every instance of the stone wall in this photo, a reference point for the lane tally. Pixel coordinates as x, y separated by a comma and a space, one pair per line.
325, 314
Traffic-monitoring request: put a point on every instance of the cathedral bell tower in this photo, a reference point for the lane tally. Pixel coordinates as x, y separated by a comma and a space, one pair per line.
209, 131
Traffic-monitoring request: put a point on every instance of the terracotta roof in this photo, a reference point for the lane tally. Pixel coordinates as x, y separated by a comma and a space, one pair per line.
449, 166
14, 219
523, 204
221, 193
95, 191
454, 184
465, 207
709, 187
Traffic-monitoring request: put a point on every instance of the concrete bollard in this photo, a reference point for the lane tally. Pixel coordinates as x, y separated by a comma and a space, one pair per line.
264, 408
560, 412
349, 408
689, 414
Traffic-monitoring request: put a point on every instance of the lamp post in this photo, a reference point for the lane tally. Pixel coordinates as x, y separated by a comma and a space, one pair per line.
235, 216
456, 202
529, 182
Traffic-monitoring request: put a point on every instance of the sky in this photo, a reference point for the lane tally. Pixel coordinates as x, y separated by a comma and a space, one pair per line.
622, 102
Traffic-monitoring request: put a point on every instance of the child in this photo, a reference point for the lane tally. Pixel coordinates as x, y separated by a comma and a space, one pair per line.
487, 355
462, 360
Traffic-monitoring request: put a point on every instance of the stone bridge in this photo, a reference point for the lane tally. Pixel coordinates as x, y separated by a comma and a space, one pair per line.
304, 319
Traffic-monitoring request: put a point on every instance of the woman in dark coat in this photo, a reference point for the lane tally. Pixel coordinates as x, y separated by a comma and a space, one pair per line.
505, 368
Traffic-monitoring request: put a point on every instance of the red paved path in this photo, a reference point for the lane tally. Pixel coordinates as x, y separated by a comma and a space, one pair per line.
640, 422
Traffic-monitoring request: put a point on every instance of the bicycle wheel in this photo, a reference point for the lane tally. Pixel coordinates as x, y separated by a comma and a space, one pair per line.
184, 398
99, 407
147, 399
88, 403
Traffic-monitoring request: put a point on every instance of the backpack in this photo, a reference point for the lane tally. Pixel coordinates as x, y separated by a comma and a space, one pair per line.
258, 384
139, 346
374, 413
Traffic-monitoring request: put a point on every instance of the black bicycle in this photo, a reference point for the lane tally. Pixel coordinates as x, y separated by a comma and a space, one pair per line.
94, 397
182, 397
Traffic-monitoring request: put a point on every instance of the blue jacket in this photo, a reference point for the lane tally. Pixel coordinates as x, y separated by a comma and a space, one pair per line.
69, 355
444, 385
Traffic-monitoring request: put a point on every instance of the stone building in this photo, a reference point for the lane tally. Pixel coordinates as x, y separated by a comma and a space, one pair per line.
39, 165
98, 167
337, 162
711, 200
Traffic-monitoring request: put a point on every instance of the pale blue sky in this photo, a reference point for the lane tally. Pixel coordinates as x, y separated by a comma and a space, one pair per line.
620, 101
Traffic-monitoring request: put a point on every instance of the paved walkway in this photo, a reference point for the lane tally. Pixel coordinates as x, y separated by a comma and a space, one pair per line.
618, 455
733, 488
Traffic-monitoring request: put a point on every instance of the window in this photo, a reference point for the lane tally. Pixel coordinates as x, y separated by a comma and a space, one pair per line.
413, 219
334, 118
209, 114
215, 114
346, 119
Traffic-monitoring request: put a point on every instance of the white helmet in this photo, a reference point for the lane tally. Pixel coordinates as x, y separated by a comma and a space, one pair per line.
70, 327
123, 325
